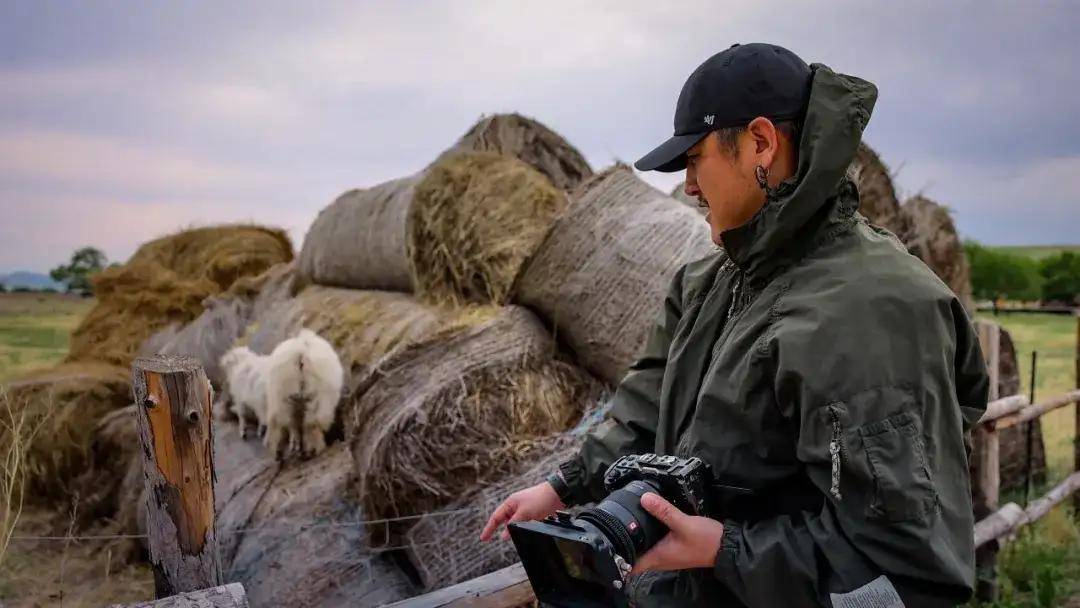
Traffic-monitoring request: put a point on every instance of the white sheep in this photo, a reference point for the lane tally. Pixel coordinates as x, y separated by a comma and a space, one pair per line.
245, 379
304, 378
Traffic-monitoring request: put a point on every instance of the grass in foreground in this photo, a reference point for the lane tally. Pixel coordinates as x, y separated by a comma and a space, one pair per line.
69, 573
1041, 567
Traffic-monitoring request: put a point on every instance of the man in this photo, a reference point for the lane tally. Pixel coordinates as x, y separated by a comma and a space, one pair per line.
813, 362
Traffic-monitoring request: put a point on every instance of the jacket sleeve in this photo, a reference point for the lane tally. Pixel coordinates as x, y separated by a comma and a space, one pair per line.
630, 427
884, 445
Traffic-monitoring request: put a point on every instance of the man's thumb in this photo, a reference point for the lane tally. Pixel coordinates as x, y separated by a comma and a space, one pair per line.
661, 509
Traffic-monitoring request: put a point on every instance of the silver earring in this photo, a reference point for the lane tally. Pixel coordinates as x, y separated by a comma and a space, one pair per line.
762, 175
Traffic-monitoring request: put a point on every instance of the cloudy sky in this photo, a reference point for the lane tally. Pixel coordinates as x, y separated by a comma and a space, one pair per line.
121, 121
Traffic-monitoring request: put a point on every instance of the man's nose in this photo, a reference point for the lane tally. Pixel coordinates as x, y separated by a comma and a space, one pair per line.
690, 188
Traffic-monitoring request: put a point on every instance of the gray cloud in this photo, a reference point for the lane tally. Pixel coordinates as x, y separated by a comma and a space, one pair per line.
200, 112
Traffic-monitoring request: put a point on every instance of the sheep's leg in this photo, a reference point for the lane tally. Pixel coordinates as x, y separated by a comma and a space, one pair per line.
261, 430
241, 423
314, 440
276, 441
295, 442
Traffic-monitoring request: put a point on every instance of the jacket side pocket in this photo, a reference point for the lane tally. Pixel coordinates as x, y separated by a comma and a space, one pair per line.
903, 487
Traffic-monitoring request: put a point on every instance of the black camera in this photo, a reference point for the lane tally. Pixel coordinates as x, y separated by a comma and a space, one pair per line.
583, 560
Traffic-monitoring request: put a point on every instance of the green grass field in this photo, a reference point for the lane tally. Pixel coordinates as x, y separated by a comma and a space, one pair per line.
34, 329
1041, 568
1054, 337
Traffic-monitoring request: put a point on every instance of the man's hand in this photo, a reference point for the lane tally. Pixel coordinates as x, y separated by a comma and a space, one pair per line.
536, 502
691, 542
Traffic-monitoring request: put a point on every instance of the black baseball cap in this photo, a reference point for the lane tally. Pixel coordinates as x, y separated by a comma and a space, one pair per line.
730, 89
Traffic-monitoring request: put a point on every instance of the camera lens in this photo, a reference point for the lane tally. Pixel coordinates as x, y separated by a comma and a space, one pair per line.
624, 522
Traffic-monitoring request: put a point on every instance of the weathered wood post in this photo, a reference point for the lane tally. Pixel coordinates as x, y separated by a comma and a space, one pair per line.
172, 397
986, 486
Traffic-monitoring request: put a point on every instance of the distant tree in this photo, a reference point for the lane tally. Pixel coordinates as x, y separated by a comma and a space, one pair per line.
3, 288
76, 274
999, 274
1061, 277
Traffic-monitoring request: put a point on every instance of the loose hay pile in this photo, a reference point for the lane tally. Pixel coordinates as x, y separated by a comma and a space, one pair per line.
601, 274
71, 397
475, 219
383, 238
460, 410
166, 282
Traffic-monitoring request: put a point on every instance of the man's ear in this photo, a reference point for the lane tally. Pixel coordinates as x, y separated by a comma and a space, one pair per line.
766, 139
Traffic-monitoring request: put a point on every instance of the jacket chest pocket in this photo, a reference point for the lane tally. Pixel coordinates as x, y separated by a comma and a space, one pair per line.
903, 486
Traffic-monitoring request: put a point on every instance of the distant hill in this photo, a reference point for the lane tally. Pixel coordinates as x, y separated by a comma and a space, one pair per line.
30, 280
1036, 252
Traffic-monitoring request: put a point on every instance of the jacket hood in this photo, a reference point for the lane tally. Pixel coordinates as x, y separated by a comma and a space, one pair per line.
819, 199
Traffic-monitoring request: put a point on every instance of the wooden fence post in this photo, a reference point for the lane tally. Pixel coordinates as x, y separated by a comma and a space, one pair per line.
986, 486
172, 397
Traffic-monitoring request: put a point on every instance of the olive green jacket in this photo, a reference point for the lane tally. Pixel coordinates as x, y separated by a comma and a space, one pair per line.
818, 364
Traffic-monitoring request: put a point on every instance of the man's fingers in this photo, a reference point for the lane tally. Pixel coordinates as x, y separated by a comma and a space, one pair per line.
501, 514
518, 516
663, 510
657, 557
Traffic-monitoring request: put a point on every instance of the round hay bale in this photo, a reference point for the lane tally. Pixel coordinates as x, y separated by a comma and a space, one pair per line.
114, 446
679, 193
159, 340
476, 218
68, 399
935, 241
461, 409
276, 284
445, 547
165, 282
532, 142
602, 273
210, 335
362, 325
877, 196
282, 533
360, 240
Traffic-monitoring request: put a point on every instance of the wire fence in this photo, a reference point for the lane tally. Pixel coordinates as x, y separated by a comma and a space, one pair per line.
285, 527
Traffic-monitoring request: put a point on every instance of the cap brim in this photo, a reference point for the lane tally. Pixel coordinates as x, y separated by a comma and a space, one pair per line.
669, 156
